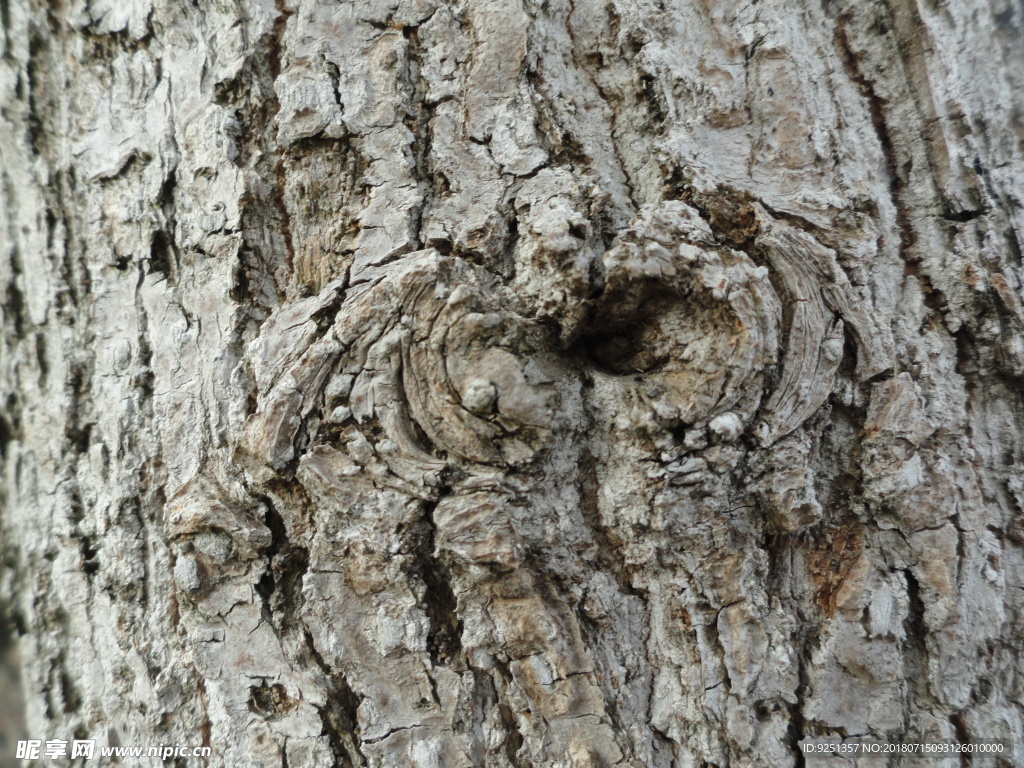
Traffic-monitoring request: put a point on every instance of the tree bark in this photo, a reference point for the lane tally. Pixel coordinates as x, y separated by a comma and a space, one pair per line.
514, 383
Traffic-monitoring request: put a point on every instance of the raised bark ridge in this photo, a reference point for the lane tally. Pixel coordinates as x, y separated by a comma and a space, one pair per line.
507, 384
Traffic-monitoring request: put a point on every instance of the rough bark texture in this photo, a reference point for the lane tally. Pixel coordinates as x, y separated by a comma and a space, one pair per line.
513, 383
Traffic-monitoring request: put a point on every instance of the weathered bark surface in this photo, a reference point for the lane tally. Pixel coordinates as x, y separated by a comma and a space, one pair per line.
576, 384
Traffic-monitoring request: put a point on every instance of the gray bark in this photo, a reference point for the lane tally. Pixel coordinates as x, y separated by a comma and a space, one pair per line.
513, 383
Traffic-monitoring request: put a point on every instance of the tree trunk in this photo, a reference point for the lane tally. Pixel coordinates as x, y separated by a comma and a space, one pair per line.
570, 384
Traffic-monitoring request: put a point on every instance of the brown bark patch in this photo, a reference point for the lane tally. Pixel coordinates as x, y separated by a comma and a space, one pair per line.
831, 560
